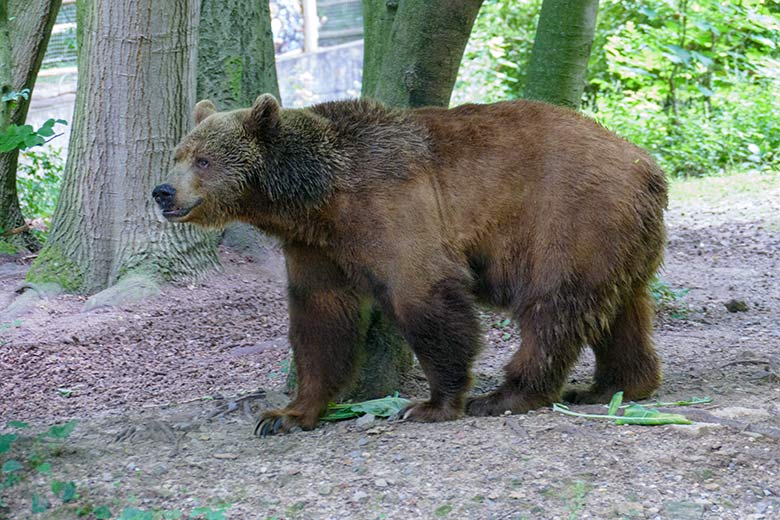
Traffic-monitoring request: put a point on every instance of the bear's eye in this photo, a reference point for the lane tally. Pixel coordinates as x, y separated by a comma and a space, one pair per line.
202, 163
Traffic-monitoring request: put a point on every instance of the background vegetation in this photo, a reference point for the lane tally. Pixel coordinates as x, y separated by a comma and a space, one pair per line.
695, 82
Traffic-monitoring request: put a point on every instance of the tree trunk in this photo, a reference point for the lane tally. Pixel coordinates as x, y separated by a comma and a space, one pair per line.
559, 60
235, 52
136, 89
23, 42
422, 52
378, 18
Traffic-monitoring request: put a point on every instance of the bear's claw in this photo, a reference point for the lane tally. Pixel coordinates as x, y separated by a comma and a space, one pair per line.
268, 426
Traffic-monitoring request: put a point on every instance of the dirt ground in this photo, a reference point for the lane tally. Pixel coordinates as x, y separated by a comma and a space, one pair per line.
156, 388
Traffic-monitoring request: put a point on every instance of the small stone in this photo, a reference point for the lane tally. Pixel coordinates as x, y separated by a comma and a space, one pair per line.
734, 305
380, 483
225, 456
630, 510
359, 495
325, 490
711, 486
365, 422
362, 441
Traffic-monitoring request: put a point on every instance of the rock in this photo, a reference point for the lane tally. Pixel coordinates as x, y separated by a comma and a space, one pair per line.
630, 510
734, 305
225, 456
359, 496
734, 412
130, 289
365, 422
683, 510
380, 483
696, 430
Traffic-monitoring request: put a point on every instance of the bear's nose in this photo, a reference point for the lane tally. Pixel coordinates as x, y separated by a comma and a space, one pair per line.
163, 195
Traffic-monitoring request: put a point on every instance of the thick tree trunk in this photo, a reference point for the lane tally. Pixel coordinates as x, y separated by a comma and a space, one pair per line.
23, 42
133, 103
559, 60
422, 52
235, 52
378, 18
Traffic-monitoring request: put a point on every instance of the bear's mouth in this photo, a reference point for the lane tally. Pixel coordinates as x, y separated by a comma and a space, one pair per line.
178, 213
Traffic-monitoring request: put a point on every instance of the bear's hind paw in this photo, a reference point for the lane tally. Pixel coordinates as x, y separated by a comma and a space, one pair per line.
427, 412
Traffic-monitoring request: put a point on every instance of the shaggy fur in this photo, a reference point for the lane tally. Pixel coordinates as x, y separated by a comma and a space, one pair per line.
518, 205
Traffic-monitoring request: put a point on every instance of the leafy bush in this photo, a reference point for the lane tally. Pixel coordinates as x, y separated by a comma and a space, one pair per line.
38, 181
694, 82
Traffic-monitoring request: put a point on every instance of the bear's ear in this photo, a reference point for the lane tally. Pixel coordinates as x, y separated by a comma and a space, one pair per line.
203, 110
263, 117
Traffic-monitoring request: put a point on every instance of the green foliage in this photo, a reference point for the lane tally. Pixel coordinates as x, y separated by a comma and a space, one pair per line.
384, 407
38, 181
644, 415
668, 299
25, 136
695, 82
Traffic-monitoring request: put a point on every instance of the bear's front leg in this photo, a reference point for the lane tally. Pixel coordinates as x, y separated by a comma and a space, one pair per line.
443, 331
326, 327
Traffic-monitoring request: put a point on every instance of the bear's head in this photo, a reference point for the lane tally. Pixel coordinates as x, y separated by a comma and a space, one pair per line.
220, 165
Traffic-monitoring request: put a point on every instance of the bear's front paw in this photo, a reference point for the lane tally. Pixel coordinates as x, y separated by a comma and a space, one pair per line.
428, 412
282, 421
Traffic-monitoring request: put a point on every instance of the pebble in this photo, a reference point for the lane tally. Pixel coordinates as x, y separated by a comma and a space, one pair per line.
711, 486
359, 495
380, 483
225, 456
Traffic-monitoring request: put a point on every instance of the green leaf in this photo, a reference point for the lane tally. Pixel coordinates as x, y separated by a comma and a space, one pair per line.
39, 504
6, 440
57, 486
17, 424
615, 403
44, 468
69, 492
637, 414
62, 431
11, 465
14, 96
102, 513
384, 407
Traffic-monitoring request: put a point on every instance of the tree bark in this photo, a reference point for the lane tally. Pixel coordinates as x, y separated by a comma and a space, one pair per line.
136, 89
559, 60
25, 27
422, 52
378, 18
235, 52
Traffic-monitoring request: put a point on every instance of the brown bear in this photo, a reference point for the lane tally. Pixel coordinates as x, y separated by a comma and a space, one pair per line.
518, 205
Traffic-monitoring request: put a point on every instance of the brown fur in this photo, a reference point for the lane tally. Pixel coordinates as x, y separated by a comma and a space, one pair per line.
518, 205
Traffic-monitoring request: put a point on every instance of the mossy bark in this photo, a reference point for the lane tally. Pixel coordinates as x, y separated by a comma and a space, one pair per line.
235, 52
133, 103
25, 27
559, 60
412, 55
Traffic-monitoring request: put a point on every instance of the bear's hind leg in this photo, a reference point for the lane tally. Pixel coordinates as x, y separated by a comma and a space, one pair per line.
625, 357
445, 336
552, 332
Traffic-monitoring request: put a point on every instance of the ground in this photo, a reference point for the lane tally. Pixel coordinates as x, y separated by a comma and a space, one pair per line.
156, 388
